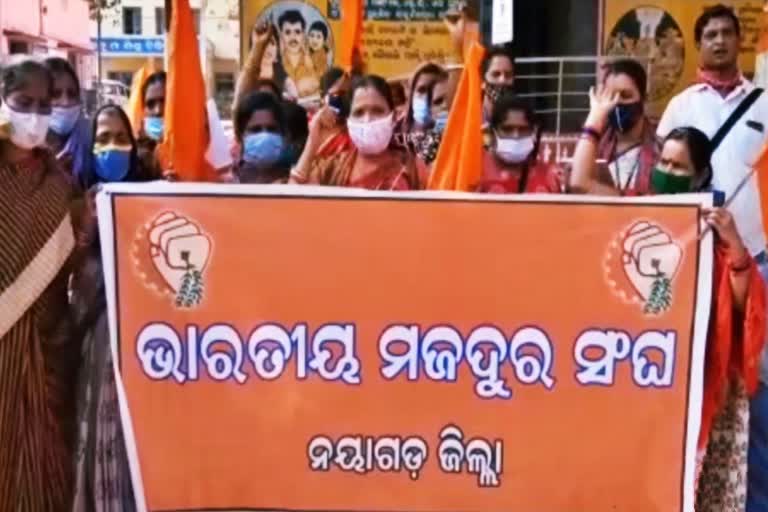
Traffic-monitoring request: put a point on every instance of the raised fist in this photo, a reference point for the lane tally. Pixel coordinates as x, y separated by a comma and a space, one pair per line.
648, 254
178, 249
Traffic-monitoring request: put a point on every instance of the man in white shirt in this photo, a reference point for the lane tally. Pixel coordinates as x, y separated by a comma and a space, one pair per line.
706, 106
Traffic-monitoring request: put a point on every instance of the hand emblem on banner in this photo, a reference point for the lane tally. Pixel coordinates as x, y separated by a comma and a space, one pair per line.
651, 259
180, 252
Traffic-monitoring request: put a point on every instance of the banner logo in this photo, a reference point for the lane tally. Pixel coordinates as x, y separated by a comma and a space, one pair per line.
172, 254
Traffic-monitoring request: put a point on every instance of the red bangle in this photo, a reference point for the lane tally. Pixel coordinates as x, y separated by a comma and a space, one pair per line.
592, 133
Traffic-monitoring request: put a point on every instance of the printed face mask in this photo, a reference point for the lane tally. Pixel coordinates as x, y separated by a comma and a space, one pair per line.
420, 105
514, 151
263, 149
625, 116
112, 162
154, 127
63, 119
371, 137
666, 183
28, 131
496, 91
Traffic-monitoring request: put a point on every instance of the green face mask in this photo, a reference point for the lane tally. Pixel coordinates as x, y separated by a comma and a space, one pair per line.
665, 183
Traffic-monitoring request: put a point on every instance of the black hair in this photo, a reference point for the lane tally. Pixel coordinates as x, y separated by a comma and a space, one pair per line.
292, 16
329, 78
320, 27
700, 150
253, 102
16, 76
135, 171
159, 77
57, 66
710, 13
633, 69
507, 103
505, 51
270, 84
376, 82
296, 121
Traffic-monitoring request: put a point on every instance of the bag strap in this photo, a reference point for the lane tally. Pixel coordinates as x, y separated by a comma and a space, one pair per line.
737, 114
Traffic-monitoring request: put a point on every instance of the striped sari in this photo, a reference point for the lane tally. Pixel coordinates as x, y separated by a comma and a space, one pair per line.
37, 361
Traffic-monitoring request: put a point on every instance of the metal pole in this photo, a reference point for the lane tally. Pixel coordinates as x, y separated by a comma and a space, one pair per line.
98, 54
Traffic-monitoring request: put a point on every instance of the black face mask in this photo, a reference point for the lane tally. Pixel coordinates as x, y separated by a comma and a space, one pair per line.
625, 116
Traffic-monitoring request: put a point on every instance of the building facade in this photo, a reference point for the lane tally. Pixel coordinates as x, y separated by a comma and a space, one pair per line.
48, 27
134, 31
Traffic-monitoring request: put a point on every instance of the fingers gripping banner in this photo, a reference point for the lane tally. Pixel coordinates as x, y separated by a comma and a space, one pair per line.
313, 350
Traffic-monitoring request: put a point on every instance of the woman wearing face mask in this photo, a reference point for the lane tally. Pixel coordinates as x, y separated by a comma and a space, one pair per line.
625, 136
511, 165
38, 355
421, 131
372, 164
102, 482
69, 133
737, 322
151, 132
260, 132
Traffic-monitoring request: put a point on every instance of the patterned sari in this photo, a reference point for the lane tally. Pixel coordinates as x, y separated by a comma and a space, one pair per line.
393, 170
38, 361
731, 372
646, 159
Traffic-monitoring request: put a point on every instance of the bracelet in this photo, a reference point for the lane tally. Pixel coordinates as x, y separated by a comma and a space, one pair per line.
742, 265
590, 132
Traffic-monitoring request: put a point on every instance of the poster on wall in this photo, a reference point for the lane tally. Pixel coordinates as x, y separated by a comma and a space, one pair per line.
347, 350
398, 36
660, 33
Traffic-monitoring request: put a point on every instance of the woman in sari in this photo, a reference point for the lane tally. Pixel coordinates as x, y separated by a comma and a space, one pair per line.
427, 114
373, 163
103, 482
69, 133
265, 148
627, 138
737, 320
511, 164
38, 358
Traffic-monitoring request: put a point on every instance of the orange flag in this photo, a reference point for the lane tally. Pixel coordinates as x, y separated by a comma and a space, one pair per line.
135, 107
761, 169
186, 134
352, 35
459, 163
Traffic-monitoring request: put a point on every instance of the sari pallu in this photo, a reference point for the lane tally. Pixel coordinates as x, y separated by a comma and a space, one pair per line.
732, 367
37, 362
649, 155
393, 170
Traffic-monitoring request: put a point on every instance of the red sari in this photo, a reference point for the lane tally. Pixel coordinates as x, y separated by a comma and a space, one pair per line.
542, 178
731, 371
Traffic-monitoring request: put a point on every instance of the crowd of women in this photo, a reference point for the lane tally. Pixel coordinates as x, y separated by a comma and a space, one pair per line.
61, 442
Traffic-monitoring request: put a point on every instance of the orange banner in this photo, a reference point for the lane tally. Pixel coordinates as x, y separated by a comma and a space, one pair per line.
358, 351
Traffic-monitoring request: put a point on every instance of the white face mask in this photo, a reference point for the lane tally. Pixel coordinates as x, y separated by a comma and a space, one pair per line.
63, 119
28, 131
371, 137
514, 151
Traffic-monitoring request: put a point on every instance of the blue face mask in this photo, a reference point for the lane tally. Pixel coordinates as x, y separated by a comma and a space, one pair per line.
441, 121
263, 149
63, 119
154, 127
112, 164
420, 107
